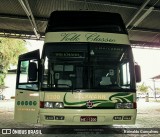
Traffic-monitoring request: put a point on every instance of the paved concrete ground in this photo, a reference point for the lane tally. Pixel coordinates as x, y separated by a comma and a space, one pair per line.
148, 117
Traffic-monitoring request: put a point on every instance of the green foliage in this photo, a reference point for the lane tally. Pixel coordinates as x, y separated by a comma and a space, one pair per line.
158, 90
143, 88
10, 49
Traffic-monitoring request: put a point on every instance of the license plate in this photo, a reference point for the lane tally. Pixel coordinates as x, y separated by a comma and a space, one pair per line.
88, 119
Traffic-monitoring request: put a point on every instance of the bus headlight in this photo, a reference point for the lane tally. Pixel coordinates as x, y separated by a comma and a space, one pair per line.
128, 105
48, 104
58, 105
119, 105
53, 105
124, 105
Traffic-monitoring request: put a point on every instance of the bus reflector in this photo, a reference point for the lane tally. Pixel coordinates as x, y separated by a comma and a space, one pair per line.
134, 105
41, 104
34, 95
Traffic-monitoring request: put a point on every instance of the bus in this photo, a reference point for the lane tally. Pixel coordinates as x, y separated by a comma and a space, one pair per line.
86, 74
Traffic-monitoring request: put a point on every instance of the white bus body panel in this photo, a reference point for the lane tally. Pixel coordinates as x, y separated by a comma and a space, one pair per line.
26, 106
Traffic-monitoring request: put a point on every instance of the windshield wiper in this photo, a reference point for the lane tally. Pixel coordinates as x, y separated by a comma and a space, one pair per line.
63, 85
111, 86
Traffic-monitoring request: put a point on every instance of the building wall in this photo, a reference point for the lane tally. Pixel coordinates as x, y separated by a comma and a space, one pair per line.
10, 83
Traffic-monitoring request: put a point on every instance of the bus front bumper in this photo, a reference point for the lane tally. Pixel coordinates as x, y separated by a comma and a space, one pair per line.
87, 116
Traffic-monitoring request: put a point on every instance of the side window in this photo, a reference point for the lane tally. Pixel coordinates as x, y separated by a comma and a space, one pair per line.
125, 74
24, 80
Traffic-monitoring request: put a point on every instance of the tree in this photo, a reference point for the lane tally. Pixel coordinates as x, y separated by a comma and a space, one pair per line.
143, 88
158, 90
10, 49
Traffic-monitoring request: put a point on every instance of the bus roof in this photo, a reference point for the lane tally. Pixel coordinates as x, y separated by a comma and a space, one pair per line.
94, 21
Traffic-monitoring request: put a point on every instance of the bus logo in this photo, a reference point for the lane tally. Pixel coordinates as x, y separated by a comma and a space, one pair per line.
89, 104
6, 131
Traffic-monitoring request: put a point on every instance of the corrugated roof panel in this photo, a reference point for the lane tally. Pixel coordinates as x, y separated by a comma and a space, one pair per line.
151, 21
125, 12
11, 7
44, 8
133, 2
13, 16
75, 5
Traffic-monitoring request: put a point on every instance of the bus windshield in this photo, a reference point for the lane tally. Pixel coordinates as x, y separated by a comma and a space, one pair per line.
89, 66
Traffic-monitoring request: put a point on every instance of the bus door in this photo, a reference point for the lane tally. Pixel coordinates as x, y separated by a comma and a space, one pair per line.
27, 88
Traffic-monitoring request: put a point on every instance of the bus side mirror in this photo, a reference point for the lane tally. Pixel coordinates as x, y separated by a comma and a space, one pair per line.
32, 71
138, 73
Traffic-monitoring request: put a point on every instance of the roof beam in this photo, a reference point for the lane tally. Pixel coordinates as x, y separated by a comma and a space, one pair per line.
20, 35
142, 18
137, 13
144, 44
114, 4
28, 12
21, 17
43, 33
145, 30
19, 32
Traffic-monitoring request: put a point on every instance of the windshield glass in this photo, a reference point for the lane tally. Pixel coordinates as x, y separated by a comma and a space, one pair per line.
87, 66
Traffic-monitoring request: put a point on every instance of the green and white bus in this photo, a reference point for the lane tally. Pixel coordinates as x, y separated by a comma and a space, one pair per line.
85, 76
